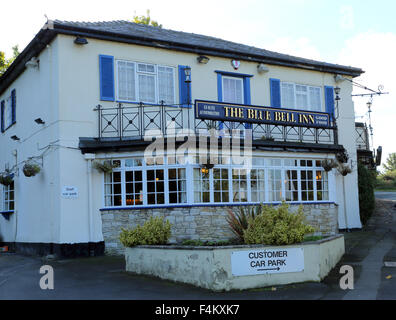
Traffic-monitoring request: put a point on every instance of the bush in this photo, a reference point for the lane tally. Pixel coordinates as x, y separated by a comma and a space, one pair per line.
238, 220
154, 231
277, 226
366, 182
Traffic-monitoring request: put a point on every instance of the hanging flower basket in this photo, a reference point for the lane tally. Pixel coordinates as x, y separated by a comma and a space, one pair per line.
106, 166
6, 178
328, 164
30, 169
344, 170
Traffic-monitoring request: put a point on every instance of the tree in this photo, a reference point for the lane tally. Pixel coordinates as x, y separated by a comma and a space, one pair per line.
146, 20
390, 164
5, 63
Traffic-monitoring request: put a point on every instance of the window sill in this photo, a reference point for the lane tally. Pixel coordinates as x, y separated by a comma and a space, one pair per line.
210, 205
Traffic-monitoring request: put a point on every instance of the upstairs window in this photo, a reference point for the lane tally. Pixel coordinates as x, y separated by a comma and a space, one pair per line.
147, 83
8, 112
232, 90
301, 97
8, 198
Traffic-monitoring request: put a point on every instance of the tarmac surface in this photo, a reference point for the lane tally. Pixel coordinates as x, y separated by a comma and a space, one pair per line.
105, 278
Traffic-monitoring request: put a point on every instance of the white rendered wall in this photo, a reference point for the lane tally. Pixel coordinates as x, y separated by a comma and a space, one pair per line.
36, 216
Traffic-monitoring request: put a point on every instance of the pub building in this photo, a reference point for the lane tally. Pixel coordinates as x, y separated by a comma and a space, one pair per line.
82, 95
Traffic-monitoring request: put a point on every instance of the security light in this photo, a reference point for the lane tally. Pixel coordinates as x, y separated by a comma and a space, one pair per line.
262, 68
203, 59
339, 78
15, 138
337, 90
39, 121
32, 63
81, 41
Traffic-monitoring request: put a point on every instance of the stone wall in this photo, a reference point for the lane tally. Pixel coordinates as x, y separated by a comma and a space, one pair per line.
203, 223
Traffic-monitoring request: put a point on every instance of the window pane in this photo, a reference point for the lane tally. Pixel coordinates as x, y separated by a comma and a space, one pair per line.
287, 95
233, 90
314, 97
166, 85
301, 97
146, 88
275, 185
201, 185
126, 81
8, 112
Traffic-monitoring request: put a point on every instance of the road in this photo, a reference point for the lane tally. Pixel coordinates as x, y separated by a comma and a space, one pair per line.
105, 278
386, 195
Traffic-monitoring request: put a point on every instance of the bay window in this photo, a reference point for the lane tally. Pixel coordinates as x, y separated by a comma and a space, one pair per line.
160, 181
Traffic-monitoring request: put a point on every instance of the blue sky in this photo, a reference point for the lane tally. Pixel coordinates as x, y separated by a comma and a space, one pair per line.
357, 33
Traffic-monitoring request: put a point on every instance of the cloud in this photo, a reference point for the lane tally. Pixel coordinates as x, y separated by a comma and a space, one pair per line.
374, 53
347, 20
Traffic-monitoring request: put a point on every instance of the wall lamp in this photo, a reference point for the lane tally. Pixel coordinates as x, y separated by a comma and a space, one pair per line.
187, 72
337, 91
15, 138
80, 40
39, 121
203, 59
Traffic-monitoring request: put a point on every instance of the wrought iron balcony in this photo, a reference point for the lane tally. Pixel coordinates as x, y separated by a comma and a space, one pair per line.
362, 136
134, 121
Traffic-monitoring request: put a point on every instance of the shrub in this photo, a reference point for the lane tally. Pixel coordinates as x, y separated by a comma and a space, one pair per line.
105, 166
277, 226
366, 182
238, 220
154, 231
6, 178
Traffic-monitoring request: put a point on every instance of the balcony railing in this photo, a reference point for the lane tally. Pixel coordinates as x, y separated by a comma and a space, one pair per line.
362, 136
137, 120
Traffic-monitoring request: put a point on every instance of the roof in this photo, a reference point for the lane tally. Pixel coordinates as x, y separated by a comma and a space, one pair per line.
129, 32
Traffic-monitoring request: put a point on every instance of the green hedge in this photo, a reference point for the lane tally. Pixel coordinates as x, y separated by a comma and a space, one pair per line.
366, 179
153, 232
277, 226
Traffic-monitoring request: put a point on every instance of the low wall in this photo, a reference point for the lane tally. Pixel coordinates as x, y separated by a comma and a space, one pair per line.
203, 223
211, 267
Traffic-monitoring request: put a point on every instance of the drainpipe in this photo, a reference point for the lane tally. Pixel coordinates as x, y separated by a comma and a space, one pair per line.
90, 157
345, 213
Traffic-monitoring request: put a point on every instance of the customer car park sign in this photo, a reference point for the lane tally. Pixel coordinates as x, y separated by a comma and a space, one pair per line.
255, 262
255, 114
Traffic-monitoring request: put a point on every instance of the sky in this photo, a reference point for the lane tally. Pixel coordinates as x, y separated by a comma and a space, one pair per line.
354, 33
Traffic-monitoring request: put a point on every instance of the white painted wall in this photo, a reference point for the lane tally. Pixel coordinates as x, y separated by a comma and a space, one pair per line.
36, 217
64, 91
